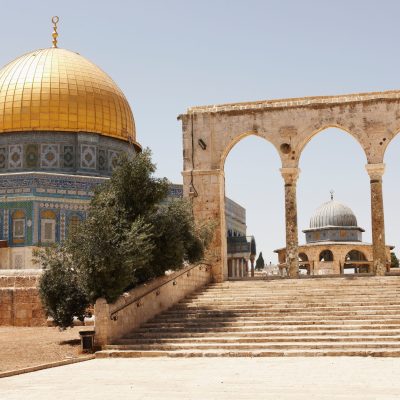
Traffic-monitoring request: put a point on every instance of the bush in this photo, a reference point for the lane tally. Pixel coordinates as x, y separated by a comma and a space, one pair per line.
131, 234
59, 288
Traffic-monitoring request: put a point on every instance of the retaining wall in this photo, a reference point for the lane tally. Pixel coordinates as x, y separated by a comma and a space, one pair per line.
20, 303
156, 298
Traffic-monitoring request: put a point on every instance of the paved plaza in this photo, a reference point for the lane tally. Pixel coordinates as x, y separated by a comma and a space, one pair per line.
211, 378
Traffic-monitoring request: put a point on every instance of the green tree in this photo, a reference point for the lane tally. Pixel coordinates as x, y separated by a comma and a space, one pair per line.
260, 264
59, 288
131, 234
394, 260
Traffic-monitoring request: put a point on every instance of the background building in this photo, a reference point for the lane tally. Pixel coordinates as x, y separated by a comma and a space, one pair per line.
334, 243
240, 248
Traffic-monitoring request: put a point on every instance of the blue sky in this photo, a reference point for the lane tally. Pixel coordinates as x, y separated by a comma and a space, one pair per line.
172, 54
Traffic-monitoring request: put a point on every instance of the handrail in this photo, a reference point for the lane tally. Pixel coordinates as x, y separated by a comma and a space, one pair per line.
113, 314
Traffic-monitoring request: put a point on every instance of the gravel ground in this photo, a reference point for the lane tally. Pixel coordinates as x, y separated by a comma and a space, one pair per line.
26, 347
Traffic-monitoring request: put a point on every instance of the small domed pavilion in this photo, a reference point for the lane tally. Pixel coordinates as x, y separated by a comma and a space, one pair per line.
333, 243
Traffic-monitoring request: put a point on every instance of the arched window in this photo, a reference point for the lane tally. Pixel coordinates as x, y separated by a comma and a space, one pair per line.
304, 264
303, 257
73, 223
18, 226
355, 255
354, 263
326, 255
48, 226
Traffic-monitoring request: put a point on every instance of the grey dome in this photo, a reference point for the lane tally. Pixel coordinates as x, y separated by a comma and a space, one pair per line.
333, 213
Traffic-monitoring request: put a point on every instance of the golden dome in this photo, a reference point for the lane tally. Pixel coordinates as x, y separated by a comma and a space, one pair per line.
58, 90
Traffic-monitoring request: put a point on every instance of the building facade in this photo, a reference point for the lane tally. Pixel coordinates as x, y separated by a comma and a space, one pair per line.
63, 124
241, 249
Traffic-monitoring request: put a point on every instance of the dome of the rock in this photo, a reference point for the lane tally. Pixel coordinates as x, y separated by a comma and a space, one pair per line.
55, 89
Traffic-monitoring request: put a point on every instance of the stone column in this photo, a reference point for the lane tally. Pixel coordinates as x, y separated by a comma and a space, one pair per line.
375, 172
206, 191
233, 268
252, 265
290, 176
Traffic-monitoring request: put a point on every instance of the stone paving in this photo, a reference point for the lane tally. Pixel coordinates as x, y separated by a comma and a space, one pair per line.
211, 378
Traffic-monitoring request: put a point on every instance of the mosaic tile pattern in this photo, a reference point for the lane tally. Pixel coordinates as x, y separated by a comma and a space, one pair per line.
31, 155
3, 157
50, 156
68, 156
88, 156
102, 160
15, 154
112, 159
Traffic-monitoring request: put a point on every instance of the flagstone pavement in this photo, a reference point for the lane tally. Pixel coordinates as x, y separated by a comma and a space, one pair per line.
211, 378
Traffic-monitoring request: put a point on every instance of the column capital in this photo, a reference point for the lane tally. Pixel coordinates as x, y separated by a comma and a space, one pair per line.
290, 175
375, 171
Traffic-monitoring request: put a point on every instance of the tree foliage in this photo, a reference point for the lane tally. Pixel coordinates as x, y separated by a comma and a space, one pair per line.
394, 260
260, 264
131, 234
59, 287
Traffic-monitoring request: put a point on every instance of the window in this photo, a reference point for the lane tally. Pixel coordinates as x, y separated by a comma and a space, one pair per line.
18, 226
48, 226
73, 224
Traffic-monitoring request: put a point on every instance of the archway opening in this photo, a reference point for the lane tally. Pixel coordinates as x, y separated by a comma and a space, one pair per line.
333, 198
326, 256
304, 264
391, 200
355, 262
254, 207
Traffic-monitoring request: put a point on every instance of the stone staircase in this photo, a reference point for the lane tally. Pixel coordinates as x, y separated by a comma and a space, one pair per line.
346, 316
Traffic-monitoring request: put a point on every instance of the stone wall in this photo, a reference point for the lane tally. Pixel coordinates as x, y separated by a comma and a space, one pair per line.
146, 301
20, 303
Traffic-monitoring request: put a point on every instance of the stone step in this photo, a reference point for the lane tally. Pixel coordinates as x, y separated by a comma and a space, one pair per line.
318, 280
287, 325
262, 339
279, 333
344, 316
310, 292
284, 319
225, 318
355, 352
247, 313
259, 346
291, 302
295, 299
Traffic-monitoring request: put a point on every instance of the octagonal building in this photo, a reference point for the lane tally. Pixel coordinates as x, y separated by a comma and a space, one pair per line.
333, 243
63, 123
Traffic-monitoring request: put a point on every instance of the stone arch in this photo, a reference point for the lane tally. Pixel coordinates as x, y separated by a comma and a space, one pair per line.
304, 263
237, 139
355, 255
303, 256
387, 140
353, 261
307, 138
326, 255
233, 146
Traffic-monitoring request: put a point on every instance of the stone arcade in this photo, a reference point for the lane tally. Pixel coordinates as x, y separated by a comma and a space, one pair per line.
210, 132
